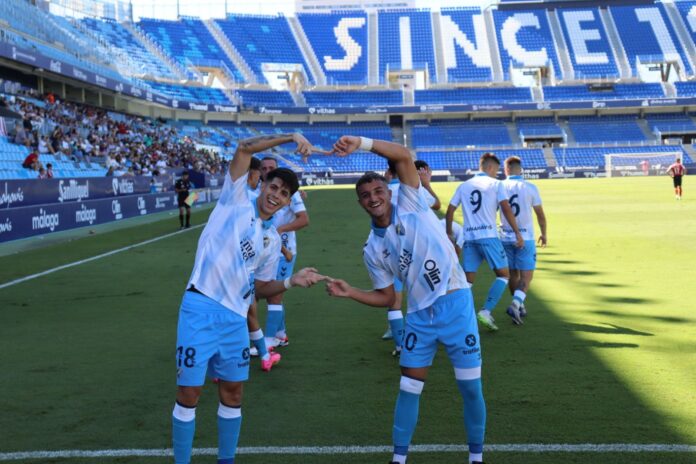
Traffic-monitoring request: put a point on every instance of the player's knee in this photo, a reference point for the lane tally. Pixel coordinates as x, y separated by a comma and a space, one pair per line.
230, 393
469, 382
188, 396
503, 273
275, 299
411, 385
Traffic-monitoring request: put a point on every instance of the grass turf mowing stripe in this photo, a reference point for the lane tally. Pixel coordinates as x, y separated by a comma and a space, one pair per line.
94, 258
331, 450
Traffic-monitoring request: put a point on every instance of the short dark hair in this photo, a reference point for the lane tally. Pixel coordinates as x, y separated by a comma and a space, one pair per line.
512, 161
49, 165
391, 167
288, 177
269, 158
420, 164
487, 158
369, 177
255, 164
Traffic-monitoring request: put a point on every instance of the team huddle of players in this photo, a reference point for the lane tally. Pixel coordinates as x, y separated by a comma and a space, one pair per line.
247, 252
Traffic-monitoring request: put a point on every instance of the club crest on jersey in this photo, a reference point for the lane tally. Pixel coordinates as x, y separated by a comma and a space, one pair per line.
400, 229
266, 241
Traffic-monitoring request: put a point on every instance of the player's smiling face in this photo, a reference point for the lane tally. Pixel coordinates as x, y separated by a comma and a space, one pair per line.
274, 196
375, 198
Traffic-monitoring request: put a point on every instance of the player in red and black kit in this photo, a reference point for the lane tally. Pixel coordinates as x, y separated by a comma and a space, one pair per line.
182, 187
677, 171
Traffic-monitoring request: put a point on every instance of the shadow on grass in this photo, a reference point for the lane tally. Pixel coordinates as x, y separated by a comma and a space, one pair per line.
627, 300
652, 317
609, 329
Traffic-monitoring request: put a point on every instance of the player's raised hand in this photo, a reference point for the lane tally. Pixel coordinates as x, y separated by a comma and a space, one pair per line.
425, 175
346, 145
306, 277
338, 287
304, 148
542, 241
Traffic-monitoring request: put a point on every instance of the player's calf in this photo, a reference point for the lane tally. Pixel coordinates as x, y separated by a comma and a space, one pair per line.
405, 416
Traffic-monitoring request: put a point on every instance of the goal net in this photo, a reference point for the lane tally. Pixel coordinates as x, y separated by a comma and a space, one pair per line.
639, 164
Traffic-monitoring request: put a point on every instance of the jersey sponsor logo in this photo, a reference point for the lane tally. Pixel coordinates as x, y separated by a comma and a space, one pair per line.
405, 260
481, 227
45, 221
123, 186
284, 239
7, 198
142, 206
85, 214
432, 274
470, 341
72, 191
247, 249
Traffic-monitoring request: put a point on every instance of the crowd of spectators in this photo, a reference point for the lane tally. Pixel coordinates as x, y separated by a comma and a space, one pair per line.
124, 145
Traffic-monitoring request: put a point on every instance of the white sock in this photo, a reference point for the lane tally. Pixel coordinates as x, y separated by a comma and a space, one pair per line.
399, 459
475, 457
485, 312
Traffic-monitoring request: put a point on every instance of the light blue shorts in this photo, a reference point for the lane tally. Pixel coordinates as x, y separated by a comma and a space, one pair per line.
285, 267
522, 259
490, 249
210, 338
451, 321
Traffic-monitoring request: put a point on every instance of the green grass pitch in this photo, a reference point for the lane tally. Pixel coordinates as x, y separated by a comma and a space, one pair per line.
608, 353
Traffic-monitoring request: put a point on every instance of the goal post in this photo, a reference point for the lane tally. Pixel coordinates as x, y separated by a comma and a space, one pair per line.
639, 163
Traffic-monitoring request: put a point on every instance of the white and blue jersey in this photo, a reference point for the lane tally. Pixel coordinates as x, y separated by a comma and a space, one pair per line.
394, 187
523, 197
235, 248
415, 249
286, 215
457, 231
479, 198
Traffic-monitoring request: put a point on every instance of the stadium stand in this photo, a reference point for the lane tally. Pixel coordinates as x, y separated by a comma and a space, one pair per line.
469, 159
192, 93
405, 41
615, 92
189, 42
121, 38
587, 43
252, 98
686, 89
459, 133
263, 39
593, 158
487, 95
646, 34
354, 98
608, 129
538, 127
525, 39
342, 64
467, 57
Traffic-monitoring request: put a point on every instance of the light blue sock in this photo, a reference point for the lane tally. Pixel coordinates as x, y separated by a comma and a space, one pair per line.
229, 424
183, 429
282, 322
259, 342
406, 414
396, 323
495, 292
474, 413
274, 319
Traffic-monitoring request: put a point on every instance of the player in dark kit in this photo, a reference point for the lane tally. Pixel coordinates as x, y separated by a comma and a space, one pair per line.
182, 187
676, 171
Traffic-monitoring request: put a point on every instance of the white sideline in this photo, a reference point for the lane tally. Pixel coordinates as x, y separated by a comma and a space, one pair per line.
318, 450
93, 258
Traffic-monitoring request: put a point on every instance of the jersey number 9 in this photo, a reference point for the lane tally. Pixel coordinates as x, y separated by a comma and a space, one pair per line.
475, 200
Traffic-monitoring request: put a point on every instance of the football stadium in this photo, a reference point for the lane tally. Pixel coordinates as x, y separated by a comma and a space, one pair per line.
347, 231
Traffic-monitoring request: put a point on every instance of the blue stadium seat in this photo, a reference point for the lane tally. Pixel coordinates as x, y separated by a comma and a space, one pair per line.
587, 43
354, 98
608, 129
520, 32
391, 41
341, 65
486, 95
252, 98
617, 92
461, 65
641, 42
263, 39
460, 133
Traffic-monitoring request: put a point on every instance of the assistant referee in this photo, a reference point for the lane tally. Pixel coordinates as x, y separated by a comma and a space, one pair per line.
182, 187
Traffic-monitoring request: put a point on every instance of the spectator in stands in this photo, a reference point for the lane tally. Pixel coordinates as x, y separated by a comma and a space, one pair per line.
21, 136
42, 173
49, 171
31, 161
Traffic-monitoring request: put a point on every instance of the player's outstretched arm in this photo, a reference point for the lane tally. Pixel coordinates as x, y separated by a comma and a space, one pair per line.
247, 147
541, 220
510, 216
301, 221
405, 168
305, 278
379, 298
